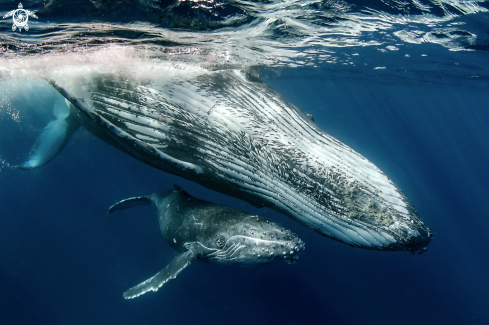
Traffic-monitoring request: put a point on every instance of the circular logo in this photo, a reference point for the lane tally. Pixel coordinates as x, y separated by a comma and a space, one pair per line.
20, 17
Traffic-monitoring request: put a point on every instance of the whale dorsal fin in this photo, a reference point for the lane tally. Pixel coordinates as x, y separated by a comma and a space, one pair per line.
129, 203
169, 272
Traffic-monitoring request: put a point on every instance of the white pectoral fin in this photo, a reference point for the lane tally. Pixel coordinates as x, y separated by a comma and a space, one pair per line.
53, 138
169, 272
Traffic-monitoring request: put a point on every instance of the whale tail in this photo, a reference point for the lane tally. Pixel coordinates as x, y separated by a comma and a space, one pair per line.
53, 138
145, 200
129, 203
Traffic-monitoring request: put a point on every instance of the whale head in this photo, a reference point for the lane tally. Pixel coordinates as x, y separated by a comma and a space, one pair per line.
382, 219
255, 241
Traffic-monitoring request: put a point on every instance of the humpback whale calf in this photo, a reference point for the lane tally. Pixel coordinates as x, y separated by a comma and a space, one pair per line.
230, 132
204, 231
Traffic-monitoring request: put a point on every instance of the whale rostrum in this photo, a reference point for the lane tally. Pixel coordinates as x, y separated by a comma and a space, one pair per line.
201, 230
230, 132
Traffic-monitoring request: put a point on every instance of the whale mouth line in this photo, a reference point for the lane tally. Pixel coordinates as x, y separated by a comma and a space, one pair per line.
234, 244
261, 240
227, 254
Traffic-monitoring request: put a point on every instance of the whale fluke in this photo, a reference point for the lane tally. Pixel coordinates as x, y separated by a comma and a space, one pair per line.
143, 200
129, 203
168, 273
53, 138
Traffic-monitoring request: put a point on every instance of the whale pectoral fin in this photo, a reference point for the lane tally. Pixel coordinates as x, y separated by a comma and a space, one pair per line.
129, 203
53, 138
169, 272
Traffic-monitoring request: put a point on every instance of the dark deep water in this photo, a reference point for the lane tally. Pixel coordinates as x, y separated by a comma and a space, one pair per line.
423, 122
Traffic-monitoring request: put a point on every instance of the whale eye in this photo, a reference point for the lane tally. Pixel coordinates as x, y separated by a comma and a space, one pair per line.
220, 241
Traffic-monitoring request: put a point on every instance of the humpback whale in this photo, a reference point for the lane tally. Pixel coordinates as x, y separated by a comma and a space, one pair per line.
230, 132
204, 231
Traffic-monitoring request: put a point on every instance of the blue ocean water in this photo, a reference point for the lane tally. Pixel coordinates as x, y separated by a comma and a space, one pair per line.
419, 113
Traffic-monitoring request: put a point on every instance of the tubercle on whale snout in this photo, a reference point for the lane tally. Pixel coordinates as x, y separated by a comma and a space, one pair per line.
270, 251
420, 246
259, 244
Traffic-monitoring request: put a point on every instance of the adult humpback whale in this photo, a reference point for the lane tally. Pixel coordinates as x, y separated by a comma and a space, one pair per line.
213, 233
230, 132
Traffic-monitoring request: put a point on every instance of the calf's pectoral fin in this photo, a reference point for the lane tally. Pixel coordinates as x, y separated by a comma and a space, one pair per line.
53, 138
169, 272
